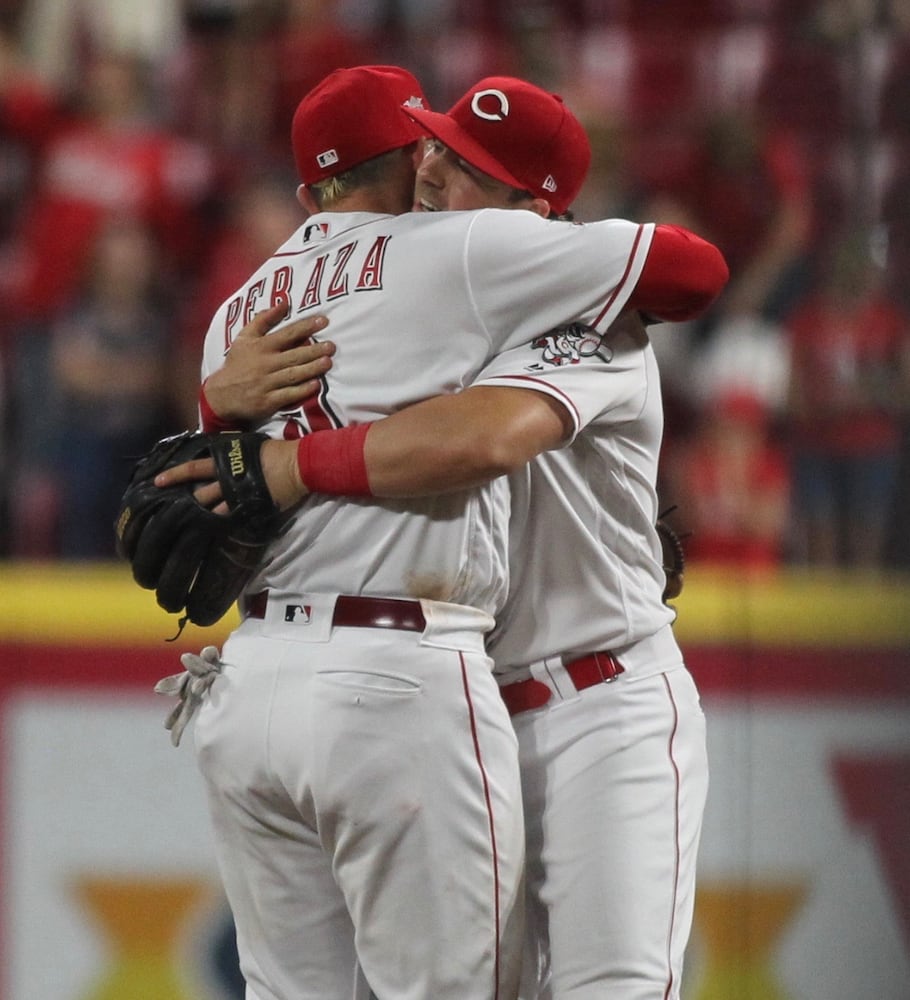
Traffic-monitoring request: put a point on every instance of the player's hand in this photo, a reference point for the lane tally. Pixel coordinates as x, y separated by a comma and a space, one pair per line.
202, 471
263, 375
279, 466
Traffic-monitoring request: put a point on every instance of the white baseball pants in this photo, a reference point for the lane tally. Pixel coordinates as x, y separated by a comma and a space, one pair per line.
365, 798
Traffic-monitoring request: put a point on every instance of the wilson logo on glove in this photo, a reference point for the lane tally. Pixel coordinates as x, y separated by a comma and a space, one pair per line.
235, 458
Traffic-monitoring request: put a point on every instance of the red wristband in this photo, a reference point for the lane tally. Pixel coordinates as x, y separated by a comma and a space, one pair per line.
333, 462
210, 421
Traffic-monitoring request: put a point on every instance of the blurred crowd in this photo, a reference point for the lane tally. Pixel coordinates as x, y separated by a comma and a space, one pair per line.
145, 171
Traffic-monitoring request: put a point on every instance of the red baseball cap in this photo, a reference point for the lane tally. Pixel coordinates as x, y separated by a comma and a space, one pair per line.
351, 116
517, 133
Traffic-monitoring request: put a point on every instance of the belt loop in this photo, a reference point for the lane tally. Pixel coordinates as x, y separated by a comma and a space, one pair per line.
254, 605
552, 672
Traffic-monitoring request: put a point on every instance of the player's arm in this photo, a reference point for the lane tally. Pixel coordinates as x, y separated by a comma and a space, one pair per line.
682, 275
443, 444
263, 375
454, 442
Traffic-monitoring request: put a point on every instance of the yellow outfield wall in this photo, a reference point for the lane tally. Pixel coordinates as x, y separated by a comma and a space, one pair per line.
98, 604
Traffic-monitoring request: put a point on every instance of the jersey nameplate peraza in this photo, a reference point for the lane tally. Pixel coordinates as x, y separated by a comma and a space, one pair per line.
351, 268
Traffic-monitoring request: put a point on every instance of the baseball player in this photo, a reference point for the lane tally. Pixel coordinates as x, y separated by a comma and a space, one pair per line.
356, 711
356, 706
611, 733
610, 729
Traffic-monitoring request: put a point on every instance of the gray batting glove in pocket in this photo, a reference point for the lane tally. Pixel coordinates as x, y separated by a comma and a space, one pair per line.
189, 687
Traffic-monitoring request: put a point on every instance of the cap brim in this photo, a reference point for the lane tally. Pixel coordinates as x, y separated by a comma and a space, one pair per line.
451, 134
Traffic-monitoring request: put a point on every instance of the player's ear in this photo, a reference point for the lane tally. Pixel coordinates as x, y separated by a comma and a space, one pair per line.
541, 206
307, 200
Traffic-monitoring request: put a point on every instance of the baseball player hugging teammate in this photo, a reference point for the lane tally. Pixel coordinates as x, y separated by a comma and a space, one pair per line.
512, 512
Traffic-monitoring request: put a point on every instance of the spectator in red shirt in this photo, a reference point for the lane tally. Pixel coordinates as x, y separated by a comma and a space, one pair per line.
731, 483
751, 184
849, 385
108, 158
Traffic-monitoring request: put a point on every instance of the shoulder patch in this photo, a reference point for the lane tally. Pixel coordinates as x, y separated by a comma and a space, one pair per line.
567, 345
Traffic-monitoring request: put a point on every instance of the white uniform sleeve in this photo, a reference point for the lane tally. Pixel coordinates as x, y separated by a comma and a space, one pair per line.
527, 274
589, 375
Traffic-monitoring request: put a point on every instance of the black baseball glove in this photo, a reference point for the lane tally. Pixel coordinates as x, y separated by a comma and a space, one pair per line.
673, 556
195, 560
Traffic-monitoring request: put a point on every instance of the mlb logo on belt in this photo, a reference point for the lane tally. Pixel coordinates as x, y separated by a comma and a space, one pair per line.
299, 614
327, 158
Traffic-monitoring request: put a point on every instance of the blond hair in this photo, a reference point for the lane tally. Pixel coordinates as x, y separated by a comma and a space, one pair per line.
334, 189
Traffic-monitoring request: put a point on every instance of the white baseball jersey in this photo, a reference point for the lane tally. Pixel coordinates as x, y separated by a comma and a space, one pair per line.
600, 588
447, 292
364, 782
614, 777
